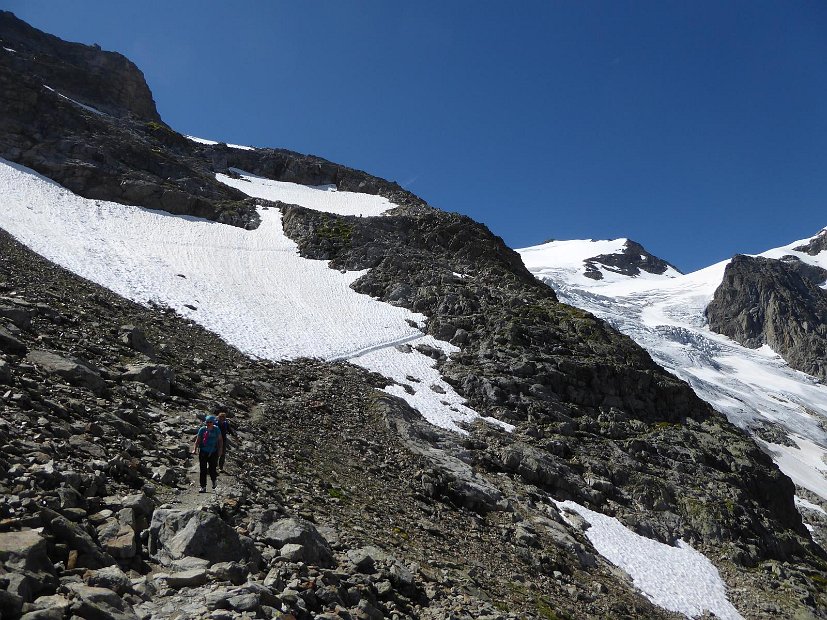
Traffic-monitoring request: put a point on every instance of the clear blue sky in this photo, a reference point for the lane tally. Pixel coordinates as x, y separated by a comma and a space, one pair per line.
696, 128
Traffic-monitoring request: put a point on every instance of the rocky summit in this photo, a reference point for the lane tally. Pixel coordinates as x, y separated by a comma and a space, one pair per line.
339, 499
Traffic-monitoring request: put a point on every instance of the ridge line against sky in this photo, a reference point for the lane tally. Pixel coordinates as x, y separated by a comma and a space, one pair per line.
696, 129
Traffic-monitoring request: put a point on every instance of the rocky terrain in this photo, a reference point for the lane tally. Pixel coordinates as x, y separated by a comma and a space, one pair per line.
340, 501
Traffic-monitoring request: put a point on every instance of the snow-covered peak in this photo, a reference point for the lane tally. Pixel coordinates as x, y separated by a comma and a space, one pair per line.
595, 263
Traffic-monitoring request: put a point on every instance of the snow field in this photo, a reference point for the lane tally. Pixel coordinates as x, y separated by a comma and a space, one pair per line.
250, 287
679, 578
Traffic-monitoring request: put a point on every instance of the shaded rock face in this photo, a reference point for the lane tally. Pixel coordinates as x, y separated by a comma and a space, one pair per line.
634, 259
778, 303
107, 81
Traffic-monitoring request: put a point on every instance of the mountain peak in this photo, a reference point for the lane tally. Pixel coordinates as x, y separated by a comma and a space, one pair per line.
598, 260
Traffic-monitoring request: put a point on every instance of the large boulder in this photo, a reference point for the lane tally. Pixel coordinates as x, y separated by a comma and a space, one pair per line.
174, 534
73, 371
10, 344
94, 603
293, 531
23, 556
155, 376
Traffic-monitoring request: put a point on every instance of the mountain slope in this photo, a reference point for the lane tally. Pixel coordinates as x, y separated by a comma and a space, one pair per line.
770, 303
544, 403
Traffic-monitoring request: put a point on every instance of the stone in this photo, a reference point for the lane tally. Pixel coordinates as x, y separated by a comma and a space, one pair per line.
24, 555
364, 558
20, 317
73, 371
11, 605
100, 603
296, 531
118, 539
109, 577
154, 375
187, 579
135, 338
78, 539
174, 534
10, 344
244, 602
229, 571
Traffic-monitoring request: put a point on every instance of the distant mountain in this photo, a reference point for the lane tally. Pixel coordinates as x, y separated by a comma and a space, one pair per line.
737, 332
425, 430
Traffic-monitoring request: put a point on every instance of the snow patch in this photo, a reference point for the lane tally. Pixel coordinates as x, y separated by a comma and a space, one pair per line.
679, 578
319, 198
800, 502
250, 287
232, 146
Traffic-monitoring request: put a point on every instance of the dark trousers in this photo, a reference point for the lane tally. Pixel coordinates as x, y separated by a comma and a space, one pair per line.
223, 455
210, 459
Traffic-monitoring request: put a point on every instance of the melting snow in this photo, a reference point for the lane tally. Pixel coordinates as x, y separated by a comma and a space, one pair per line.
679, 578
250, 287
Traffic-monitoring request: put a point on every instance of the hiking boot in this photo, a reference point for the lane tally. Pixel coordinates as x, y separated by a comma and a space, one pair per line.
214, 485
202, 490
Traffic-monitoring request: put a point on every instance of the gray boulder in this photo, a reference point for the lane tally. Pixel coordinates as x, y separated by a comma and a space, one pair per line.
154, 375
174, 534
99, 603
135, 338
297, 532
74, 536
73, 371
10, 344
29, 570
111, 578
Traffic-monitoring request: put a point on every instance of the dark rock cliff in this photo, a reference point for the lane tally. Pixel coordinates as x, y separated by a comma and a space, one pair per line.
778, 303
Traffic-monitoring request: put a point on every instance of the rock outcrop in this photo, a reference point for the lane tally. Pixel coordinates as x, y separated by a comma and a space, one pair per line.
778, 303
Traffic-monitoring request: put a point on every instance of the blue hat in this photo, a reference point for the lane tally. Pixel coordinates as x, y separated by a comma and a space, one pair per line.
211, 418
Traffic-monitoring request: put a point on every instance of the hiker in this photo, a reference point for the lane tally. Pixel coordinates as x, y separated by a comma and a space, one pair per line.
210, 444
226, 430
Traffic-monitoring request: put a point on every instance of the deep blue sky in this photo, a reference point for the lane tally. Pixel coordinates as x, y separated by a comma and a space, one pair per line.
696, 128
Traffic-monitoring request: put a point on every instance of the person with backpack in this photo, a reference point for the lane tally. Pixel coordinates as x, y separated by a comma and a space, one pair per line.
210, 445
226, 430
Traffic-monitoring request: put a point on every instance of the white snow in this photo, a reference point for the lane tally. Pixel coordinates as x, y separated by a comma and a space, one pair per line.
232, 146
679, 578
319, 198
8, 49
250, 287
665, 315
77, 103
